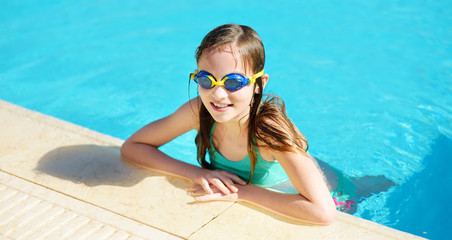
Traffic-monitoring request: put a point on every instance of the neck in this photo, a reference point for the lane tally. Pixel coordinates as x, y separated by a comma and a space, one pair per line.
235, 129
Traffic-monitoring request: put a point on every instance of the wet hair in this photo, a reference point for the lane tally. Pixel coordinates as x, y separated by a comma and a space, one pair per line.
269, 126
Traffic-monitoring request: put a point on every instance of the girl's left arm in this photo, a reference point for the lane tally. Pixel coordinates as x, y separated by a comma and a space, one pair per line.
313, 204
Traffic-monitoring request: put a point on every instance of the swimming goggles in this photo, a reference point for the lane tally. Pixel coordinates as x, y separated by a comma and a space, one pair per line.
232, 81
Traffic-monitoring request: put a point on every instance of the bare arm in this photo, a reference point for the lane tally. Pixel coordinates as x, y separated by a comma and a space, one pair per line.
142, 149
313, 203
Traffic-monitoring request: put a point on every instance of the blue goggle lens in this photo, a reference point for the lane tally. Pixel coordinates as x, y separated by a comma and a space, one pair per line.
233, 82
204, 81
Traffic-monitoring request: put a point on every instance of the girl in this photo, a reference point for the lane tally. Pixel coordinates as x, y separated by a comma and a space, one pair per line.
245, 144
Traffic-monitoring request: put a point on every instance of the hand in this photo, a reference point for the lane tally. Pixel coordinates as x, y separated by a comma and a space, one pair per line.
201, 195
223, 181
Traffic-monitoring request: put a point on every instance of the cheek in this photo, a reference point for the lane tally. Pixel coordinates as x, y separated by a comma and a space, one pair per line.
200, 90
244, 96
202, 93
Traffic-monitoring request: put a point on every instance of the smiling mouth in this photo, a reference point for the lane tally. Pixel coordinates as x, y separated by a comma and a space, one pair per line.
216, 105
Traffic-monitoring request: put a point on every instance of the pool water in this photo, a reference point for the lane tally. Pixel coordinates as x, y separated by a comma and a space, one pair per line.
368, 82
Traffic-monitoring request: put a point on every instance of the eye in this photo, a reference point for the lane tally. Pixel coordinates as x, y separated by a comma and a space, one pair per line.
204, 81
233, 84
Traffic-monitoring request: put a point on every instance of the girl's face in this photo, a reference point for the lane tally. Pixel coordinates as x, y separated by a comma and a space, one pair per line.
224, 105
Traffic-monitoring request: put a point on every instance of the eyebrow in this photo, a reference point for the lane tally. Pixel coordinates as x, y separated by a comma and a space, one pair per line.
223, 76
226, 51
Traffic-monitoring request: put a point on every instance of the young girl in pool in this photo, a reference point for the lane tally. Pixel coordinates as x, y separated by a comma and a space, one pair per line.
246, 144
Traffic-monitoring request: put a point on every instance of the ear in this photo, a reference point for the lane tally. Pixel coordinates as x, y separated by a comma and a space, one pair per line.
264, 79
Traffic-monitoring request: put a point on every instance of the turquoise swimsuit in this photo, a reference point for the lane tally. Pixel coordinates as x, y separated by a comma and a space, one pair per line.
271, 174
266, 174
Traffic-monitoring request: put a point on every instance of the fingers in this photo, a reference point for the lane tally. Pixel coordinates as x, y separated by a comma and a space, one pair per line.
209, 197
221, 184
200, 195
195, 190
206, 186
198, 191
222, 180
234, 178
227, 180
208, 182
230, 185
215, 185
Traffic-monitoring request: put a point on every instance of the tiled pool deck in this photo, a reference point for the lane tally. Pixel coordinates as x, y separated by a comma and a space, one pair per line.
62, 181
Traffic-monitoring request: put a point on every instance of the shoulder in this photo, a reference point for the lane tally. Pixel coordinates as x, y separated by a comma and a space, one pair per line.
272, 113
274, 102
161, 131
275, 130
188, 113
191, 107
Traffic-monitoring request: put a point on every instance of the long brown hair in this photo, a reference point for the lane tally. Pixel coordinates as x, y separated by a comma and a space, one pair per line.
268, 124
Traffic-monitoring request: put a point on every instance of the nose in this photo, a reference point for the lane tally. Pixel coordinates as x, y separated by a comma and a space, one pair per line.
219, 92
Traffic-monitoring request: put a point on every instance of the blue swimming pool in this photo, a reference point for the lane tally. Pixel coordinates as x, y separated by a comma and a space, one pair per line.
368, 82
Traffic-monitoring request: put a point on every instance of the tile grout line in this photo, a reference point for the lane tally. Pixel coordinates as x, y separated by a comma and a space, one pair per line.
85, 202
215, 217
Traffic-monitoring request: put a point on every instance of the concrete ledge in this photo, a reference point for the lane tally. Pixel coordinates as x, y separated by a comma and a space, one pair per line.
85, 166
30, 211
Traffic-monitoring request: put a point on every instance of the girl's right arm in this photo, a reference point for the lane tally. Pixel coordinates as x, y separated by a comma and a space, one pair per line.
142, 149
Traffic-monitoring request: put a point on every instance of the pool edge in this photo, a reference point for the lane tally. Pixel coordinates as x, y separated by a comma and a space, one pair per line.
363, 229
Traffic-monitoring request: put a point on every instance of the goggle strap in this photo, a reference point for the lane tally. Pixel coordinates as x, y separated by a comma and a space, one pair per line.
256, 76
192, 75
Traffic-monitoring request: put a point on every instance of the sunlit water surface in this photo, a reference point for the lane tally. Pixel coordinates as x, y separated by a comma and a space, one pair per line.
368, 82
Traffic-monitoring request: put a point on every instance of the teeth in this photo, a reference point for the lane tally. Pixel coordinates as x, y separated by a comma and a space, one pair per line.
219, 105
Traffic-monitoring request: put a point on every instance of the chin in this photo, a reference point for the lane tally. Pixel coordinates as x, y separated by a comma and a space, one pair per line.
220, 119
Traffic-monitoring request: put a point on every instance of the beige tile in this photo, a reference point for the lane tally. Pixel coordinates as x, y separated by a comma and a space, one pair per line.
244, 221
69, 228
26, 221
20, 126
17, 131
103, 233
86, 231
57, 216
18, 210
97, 175
87, 169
